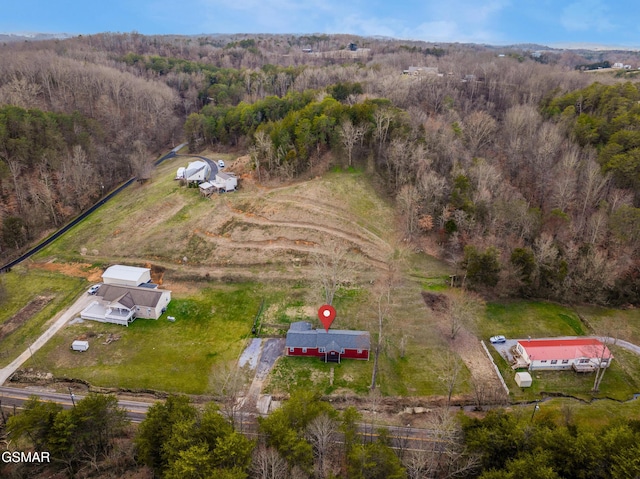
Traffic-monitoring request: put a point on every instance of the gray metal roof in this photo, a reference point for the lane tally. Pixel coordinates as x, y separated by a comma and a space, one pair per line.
300, 335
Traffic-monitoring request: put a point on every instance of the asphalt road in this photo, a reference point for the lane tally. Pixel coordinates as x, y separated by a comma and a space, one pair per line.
136, 411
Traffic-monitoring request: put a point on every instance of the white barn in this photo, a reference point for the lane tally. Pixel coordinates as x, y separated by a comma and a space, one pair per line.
197, 171
126, 275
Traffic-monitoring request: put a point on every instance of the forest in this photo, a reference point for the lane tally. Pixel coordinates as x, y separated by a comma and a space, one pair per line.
529, 167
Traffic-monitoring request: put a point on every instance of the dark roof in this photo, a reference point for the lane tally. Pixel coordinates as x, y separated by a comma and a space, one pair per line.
126, 300
129, 295
301, 335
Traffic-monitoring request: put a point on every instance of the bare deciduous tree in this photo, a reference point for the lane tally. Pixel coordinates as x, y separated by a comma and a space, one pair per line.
331, 270
351, 135
479, 130
321, 434
267, 463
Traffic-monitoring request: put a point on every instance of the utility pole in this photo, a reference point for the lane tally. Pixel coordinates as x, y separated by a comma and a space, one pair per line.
73, 397
535, 408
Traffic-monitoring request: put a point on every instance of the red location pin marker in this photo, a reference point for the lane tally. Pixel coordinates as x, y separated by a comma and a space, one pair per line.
327, 314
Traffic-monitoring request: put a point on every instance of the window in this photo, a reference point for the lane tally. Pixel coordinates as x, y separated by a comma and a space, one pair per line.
543, 361
554, 361
321, 350
304, 350
584, 361
359, 351
291, 350
565, 361
342, 351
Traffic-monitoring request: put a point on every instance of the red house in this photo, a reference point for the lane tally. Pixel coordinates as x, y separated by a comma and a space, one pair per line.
330, 346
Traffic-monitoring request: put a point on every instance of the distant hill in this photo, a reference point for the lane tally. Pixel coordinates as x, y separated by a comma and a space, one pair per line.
32, 37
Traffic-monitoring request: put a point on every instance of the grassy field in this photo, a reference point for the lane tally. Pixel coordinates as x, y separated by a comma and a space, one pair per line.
265, 236
222, 255
597, 413
624, 324
210, 328
520, 319
22, 287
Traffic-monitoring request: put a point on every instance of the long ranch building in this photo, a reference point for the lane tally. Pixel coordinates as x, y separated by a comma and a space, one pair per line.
331, 346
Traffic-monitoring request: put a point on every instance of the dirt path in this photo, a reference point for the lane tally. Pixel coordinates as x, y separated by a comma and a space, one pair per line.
483, 374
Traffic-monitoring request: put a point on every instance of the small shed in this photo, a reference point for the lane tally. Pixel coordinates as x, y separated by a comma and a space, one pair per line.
206, 188
523, 379
80, 345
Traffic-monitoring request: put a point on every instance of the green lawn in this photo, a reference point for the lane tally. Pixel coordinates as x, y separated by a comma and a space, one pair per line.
22, 287
598, 413
520, 319
624, 324
210, 328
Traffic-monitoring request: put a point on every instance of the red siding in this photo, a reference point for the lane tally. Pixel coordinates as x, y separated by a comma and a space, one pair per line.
348, 354
298, 352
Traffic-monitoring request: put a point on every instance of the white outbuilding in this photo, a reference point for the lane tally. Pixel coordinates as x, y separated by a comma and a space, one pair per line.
126, 275
523, 379
80, 345
226, 182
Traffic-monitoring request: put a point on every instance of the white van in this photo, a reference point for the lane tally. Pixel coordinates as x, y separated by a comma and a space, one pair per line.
220, 164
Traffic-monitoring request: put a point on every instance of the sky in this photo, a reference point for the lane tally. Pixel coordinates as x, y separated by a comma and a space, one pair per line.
496, 22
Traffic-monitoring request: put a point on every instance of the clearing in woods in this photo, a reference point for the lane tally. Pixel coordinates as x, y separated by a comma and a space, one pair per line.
274, 236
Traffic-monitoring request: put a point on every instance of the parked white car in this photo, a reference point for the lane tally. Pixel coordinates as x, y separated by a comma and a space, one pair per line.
94, 289
497, 339
220, 164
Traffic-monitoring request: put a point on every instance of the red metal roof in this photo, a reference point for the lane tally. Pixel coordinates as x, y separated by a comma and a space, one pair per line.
548, 349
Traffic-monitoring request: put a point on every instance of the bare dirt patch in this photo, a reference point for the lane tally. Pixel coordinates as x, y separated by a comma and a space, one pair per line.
18, 319
436, 302
78, 270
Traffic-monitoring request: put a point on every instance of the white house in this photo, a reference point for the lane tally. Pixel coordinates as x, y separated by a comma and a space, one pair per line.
225, 182
197, 171
123, 304
126, 275
580, 354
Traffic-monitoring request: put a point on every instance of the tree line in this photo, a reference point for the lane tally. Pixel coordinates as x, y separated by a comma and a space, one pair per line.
309, 439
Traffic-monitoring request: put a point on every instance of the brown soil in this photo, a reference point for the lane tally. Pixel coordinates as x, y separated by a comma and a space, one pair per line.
15, 321
436, 302
78, 270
